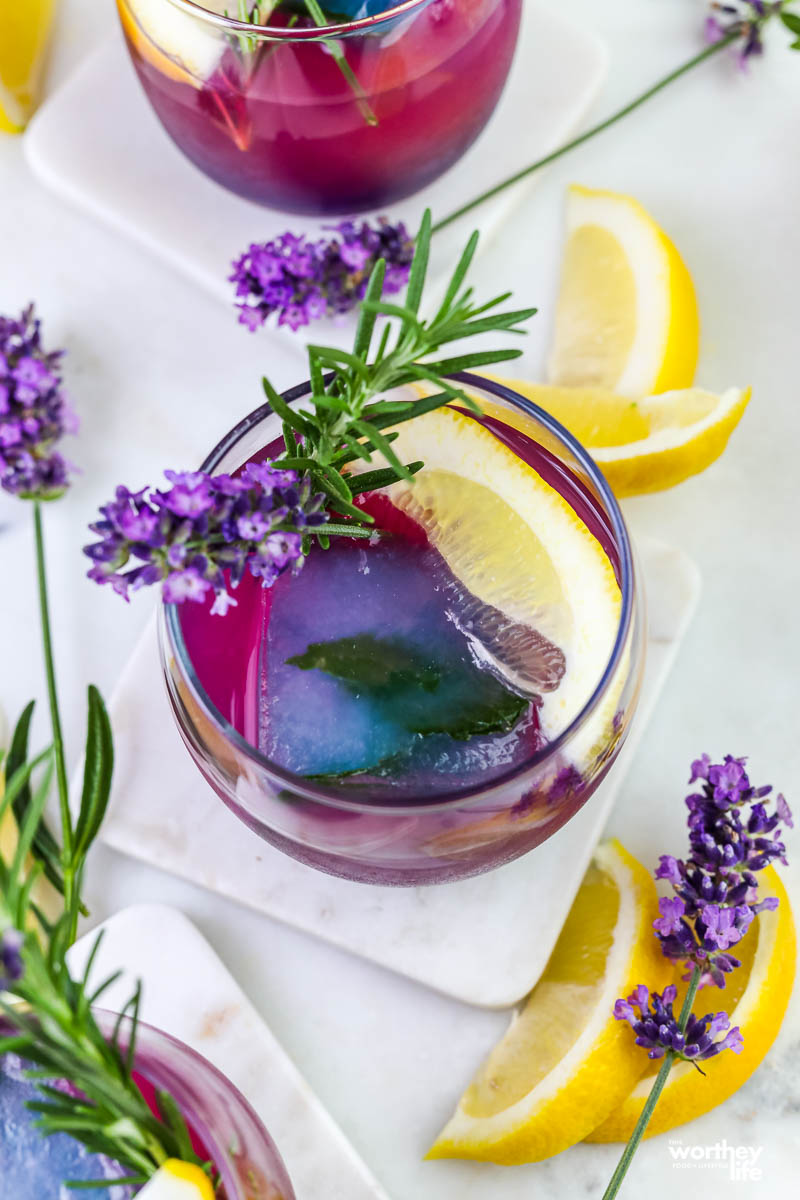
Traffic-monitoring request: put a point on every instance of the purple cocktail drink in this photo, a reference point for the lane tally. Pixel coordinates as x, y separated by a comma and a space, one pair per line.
438, 700
282, 115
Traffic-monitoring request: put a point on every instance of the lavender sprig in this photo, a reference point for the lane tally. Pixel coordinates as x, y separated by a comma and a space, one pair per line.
34, 411
189, 536
46, 1014
731, 837
34, 416
657, 1029
745, 20
302, 280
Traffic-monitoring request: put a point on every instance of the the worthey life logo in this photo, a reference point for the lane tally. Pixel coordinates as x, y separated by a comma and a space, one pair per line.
741, 1162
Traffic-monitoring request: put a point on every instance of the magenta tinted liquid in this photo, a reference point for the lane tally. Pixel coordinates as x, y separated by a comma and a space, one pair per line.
278, 123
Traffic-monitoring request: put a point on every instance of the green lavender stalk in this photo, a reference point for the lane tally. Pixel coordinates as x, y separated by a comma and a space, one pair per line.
748, 30
631, 106
655, 1092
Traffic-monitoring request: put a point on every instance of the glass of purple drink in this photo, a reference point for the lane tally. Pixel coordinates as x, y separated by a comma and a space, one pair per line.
376, 716
225, 1130
336, 119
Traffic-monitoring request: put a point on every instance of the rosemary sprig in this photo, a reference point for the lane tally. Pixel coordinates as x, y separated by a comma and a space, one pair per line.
45, 1013
344, 416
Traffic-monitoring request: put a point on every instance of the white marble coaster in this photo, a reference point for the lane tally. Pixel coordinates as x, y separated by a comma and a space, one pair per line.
98, 144
471, 940
190, 994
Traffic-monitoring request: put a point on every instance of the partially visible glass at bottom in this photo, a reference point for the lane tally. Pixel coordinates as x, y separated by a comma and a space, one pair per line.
426, 839
224, 1128
222, 1121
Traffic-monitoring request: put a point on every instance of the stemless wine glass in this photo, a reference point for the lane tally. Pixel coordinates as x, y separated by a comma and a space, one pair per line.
335, 119
366, 834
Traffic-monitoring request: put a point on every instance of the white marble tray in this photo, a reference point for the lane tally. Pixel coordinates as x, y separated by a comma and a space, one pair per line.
470, 940
190, 994
98, 144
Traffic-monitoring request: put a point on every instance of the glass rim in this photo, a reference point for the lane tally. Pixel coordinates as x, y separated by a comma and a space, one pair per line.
331, 796
311, 33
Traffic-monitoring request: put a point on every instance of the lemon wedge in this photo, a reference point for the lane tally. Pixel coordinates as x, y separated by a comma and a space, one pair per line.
516, 546
626, 317
640, 445
565, 1061
756, 997
24, 31
178, 1180
181, 47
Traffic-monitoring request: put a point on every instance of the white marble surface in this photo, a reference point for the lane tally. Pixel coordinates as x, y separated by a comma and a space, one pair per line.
188, 993
158, 376
470, 940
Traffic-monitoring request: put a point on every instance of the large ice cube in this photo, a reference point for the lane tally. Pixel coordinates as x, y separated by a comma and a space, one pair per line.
396, 601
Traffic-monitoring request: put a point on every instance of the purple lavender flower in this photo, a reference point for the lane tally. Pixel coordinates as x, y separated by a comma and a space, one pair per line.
744, 18
732, 836
657, 1029
11, 965
672, 913
202, 533
34, 412
303, 280
723, 927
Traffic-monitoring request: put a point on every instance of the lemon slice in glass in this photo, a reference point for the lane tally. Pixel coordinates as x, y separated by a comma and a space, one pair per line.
537, 580
180, 46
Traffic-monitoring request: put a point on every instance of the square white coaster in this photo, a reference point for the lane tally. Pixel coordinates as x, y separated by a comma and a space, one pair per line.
470, 940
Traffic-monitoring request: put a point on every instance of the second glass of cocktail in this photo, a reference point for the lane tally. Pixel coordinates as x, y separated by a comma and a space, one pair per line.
312, 108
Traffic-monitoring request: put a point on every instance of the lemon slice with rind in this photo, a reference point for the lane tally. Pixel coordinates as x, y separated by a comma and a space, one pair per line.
517, 548
180, 46
640, 445
626, 317
755, 997
565, 1059
178, 1180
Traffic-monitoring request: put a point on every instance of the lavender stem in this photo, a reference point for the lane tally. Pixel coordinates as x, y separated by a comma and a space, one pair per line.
661, 1078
